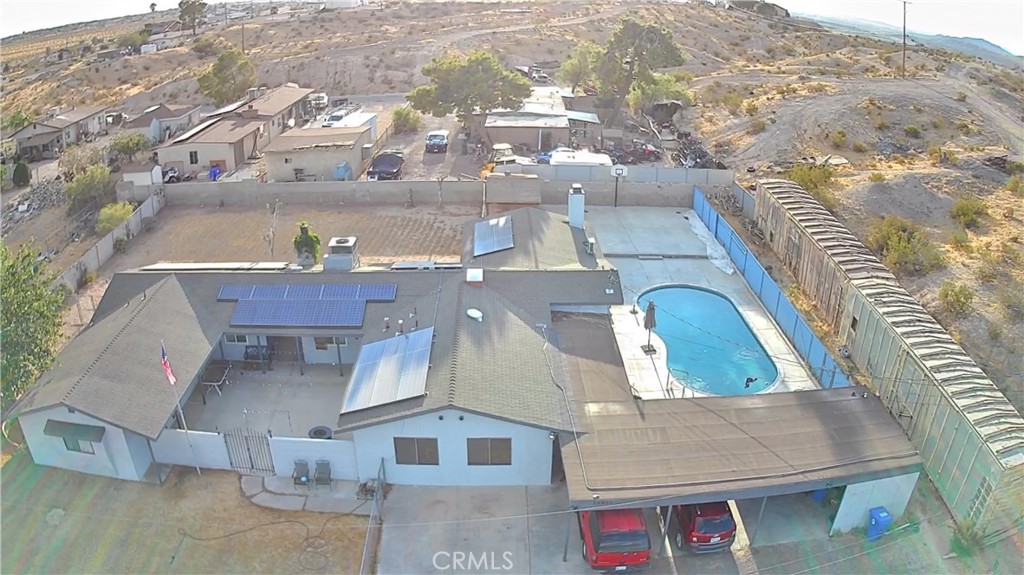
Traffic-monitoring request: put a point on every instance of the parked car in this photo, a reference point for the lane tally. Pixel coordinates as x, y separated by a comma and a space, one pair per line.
545, 157
704, 528
385, 166
615, 539
437, 142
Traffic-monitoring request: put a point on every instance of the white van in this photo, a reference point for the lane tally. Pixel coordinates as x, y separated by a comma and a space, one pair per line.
580, 158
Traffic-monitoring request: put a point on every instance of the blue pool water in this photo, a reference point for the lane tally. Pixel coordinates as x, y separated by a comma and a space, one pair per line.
710, 347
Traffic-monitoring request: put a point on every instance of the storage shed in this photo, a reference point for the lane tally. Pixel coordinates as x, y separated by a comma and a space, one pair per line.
970, 437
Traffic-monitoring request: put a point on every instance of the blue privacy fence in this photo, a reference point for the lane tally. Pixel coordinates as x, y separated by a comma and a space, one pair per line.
796, 328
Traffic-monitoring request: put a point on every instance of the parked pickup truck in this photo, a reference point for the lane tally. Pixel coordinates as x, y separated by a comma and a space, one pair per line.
615, 540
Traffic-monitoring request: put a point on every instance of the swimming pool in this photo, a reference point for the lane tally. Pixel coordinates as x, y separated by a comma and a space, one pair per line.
709, 346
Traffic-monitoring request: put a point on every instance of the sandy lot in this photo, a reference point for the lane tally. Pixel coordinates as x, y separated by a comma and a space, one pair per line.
420, 165
57, 521
386, 234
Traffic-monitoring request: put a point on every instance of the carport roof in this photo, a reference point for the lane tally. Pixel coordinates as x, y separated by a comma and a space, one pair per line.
677, 451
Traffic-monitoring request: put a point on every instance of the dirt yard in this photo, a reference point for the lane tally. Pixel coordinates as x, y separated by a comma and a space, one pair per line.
386, 234
56, 521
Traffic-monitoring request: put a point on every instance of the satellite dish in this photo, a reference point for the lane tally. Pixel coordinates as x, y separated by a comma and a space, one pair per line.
476, 314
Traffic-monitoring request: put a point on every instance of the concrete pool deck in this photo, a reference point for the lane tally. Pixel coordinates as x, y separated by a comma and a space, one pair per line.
632, 239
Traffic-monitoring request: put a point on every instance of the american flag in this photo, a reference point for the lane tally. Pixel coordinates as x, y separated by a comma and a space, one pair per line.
167, 365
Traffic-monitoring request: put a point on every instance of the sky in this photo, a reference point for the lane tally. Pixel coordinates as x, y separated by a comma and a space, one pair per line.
998, 21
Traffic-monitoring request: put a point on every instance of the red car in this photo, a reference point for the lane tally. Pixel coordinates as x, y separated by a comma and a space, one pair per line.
615, 540
704, 528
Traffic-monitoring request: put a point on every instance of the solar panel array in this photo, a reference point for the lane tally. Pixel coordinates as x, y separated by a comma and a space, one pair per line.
492, 236
390, 370
298, 313
364, 292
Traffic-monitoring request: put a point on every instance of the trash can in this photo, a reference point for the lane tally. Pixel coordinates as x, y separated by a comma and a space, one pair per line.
818, 495
879, 523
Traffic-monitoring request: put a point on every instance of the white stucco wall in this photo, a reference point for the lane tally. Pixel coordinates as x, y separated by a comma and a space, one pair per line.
531, 451
893, 493
144, 178
112, 457
178, 156
138, 448
340, 452
205, 448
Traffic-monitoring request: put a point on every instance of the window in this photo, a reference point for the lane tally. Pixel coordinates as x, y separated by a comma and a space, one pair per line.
485, 451
193, 158
236, 338
416, 451
323, 343
853, 324
287, 160
78, 445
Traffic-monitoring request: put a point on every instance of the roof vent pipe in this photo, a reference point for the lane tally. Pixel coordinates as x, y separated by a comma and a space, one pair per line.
577, 206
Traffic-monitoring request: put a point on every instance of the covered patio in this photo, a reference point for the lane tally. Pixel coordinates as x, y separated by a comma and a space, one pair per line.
287, 400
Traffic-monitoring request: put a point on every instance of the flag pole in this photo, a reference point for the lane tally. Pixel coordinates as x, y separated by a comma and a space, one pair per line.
181, 412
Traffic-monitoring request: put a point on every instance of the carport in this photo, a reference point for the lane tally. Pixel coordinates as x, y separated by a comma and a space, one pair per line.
628, 452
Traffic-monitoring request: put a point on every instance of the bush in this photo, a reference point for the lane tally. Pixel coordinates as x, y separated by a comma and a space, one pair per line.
756, 126
881, 124
21, 175
815, 180
1015, 184
967, 539
965, 127
750, 108
990, 269
876, 177
956, 298
860, 147
837, 139
912, 131
206, 47
1012, 300
960, 240
406, 120
94, 183
968, 212
939, 123
113, 215
961, 97
903, 246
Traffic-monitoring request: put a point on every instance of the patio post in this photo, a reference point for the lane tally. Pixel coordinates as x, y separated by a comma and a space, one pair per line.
757, 525
341, 372
568, 528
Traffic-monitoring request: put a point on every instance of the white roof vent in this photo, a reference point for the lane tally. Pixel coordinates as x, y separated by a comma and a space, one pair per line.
474, 275
476, 314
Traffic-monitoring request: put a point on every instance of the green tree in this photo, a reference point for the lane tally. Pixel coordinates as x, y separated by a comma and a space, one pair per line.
126, 145
133, 40
307, 243
662, 87
406, 120
22, 175
113, 215
229, 78
631, 56
464, 85
191, 13
92, 184
16, 120
581, 67
76, 159
152, 7
31, 320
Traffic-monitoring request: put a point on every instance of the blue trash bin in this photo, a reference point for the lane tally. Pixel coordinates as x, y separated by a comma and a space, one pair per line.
818, 495
879, 523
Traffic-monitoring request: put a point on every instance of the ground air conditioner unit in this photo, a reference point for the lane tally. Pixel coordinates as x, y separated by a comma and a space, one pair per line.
589, 245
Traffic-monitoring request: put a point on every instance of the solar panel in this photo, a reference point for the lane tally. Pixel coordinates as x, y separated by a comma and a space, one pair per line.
299, 313
340, 291
390, 370
378, 292
304, 291
269, 291
492, 236
234, 292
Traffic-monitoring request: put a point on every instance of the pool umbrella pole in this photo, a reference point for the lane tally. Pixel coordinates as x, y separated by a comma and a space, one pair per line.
649, 324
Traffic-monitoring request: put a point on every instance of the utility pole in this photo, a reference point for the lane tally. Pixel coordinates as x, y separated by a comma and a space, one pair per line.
905, 2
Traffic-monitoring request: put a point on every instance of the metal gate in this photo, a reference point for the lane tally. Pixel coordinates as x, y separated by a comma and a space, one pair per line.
249, 451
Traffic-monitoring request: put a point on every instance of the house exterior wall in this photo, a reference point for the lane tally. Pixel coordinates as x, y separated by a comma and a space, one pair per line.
112, 457
321, 162
279, 123
35, 129
96, 124
143, 178
341, 453
178, 155
893, 493
138, 448
158, 127
531, 137
349, 351
531, 451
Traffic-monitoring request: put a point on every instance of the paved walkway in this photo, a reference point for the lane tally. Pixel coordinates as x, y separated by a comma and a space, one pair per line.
282, 493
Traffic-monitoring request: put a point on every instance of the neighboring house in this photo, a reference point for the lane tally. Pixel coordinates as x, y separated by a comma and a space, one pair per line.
319, 154
226, 141
41, 140
283, 107
541, 123
477, 404
169, 35
160, 123
142, 174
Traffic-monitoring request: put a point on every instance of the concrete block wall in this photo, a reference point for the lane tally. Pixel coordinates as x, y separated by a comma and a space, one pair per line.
325, 193
340, 453
207, 449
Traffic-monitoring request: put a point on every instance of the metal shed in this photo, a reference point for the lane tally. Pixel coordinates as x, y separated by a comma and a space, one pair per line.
970, 437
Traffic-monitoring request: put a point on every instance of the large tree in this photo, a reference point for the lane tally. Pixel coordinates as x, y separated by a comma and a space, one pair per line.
661, 87
16, 120
465, 85
191, 13
581, 67
229, 78
152, 7
31, 320
95, 183
631, 56
125, 145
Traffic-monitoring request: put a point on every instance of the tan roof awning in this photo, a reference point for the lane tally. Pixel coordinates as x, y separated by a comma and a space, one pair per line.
40, 139
91, 433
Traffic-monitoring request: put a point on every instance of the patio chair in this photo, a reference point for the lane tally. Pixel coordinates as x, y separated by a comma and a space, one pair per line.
301, 474
323, 473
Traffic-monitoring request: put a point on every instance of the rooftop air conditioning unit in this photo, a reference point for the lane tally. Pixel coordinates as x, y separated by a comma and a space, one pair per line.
589, 245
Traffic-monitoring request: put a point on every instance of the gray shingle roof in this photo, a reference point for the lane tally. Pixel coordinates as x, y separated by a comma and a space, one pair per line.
543, 241
496, 367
